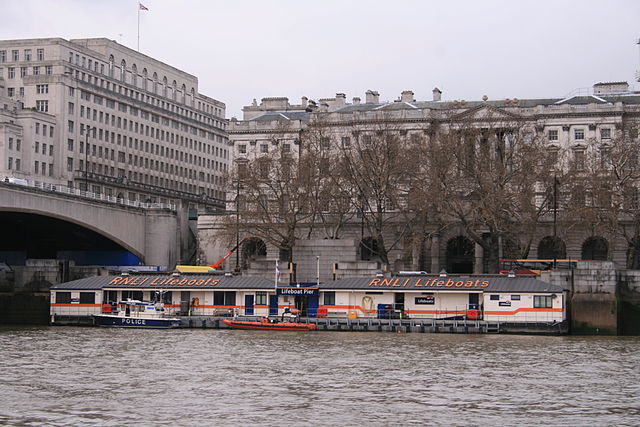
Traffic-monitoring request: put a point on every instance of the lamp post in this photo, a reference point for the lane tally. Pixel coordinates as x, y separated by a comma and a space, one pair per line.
238, 225
555, 218
318, 270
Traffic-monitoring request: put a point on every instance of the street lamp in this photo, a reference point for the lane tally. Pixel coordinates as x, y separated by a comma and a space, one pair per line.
238, 226
555, 218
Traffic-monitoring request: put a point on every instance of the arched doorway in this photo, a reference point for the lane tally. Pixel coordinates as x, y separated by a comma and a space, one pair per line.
460, 255
595, 248
368, 249
252, 249
552, 248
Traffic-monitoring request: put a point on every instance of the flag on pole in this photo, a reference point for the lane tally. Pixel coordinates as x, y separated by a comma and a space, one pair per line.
277, 274
142, 7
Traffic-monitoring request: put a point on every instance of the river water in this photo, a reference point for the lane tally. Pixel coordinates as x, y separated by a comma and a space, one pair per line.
91, 376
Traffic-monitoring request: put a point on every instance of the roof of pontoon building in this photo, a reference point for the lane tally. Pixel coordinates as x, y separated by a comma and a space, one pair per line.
525, 284
168, 281
485, 283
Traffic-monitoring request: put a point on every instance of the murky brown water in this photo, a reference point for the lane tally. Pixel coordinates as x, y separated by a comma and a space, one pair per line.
89, 376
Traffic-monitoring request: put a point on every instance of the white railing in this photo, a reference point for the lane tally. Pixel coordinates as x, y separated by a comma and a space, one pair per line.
92, 196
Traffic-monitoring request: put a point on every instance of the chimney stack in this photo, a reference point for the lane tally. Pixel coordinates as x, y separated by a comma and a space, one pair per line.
437, 94
341, 100
305, 101
407, 96
356, 100
372, 97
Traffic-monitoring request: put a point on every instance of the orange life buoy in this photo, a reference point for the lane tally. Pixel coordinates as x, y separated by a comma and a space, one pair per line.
196, 302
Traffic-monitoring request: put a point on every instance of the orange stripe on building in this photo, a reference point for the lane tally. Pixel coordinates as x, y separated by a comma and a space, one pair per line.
71, 304
523, 309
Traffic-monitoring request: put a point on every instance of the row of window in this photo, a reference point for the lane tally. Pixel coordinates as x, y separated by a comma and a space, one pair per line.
13, 165
539, 301
18, 144
579, 134
150, 99
264, 148
26, 55
24, 71
134, 126
46, 130
106, 170
157, 149
37, 150
43, 168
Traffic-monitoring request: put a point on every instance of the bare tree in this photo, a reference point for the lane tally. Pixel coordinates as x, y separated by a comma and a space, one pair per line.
329, 199
604, 195
487, 175
379, 165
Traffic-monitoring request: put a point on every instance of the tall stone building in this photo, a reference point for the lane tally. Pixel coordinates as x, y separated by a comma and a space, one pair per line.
95, 115
577, 125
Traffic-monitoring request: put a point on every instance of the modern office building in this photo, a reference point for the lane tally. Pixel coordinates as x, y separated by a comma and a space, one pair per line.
95, 115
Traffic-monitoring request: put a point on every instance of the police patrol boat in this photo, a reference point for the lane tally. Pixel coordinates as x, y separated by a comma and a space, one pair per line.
137, 314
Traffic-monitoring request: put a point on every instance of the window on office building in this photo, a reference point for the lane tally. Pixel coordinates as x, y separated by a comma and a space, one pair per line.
3, 56
36, 71
605, 133
553, 135
70, 164
40, 53
42, 105
11, 72
23, 71
48, 70
578, 134
14, 55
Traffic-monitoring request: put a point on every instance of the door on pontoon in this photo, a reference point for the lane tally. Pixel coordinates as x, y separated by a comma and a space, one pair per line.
474, 301
273, 305
248, 305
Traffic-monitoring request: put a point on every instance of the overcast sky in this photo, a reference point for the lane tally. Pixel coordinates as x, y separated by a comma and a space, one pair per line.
242, 50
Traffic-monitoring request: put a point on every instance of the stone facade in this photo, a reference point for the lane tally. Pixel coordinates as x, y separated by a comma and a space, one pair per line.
151, 136
575, 124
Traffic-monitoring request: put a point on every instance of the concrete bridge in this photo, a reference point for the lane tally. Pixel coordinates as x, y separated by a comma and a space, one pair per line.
156, 233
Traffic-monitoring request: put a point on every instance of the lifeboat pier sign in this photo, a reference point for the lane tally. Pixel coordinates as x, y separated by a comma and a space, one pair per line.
307, 292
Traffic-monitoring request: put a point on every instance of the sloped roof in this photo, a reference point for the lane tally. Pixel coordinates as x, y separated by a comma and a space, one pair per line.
168, 281
524, 284
281, 115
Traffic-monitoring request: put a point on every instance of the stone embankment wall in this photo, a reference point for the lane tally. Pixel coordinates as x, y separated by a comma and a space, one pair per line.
602, 300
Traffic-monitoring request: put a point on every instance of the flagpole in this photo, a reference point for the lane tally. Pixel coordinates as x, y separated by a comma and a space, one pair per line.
138, 26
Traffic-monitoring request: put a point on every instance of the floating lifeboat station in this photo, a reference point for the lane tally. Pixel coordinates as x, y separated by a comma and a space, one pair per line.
405, 303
